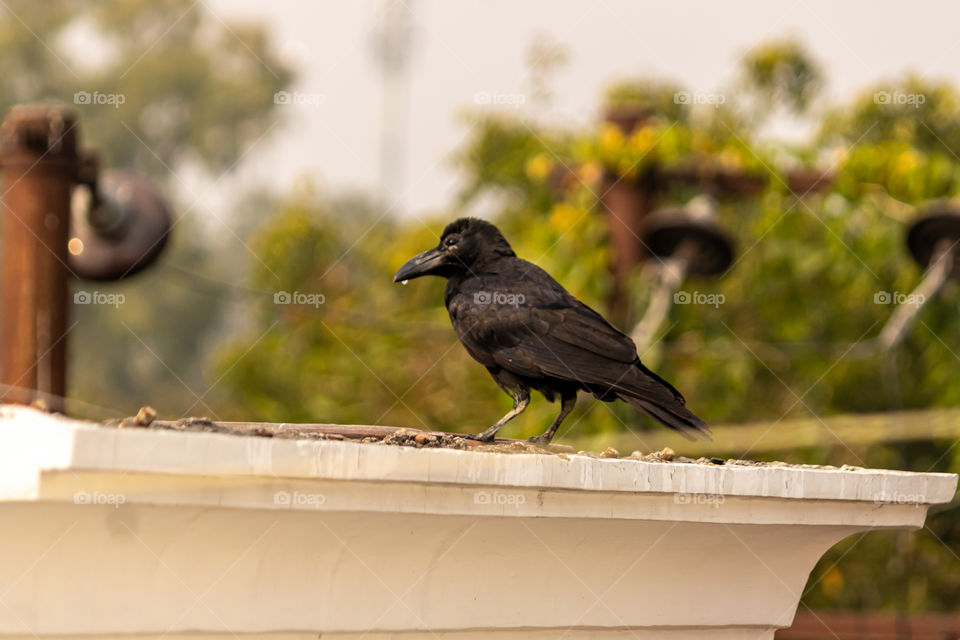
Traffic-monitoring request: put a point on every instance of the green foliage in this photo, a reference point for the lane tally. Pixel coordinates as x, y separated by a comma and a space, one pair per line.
189, 86
912, 110
800, 296
781, 72
177, 87
648, 96
156, 339
802, 291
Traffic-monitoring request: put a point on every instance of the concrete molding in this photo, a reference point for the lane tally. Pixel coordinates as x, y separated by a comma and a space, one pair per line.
123, 533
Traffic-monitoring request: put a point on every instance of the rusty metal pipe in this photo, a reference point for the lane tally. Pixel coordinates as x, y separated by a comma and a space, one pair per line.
38, 163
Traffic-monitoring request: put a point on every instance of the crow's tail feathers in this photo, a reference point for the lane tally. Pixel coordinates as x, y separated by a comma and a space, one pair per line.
676, 416
658, 399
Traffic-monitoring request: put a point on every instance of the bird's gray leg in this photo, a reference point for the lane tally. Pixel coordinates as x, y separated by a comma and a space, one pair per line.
521, 398
567, 403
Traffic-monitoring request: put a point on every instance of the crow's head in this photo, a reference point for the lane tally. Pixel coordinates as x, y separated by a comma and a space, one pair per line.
466, 245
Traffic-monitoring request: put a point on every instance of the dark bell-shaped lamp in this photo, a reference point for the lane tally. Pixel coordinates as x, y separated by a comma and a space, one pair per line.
119, 225
686, 240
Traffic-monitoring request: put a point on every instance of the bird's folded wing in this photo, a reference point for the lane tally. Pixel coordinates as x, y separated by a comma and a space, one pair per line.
571, 342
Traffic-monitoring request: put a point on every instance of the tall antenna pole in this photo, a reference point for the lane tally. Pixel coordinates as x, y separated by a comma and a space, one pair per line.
392, 51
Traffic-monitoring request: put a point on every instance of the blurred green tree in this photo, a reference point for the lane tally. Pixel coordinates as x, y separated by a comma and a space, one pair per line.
166, 88
802, 292
781, 73
174, 82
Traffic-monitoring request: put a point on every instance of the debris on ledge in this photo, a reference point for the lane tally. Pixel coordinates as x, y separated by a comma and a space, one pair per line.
420, 438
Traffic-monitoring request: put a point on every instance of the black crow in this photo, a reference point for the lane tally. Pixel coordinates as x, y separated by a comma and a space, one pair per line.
531, 333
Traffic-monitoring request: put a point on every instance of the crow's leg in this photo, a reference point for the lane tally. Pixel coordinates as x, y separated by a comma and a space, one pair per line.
521, 398
567, 402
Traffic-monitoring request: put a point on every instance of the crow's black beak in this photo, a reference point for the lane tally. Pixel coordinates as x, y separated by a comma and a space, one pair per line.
422, 264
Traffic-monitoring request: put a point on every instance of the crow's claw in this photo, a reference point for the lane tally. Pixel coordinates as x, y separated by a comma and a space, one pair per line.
479, 437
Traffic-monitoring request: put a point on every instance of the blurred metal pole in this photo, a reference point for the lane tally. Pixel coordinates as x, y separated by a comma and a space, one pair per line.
39, 163
905, 315
673, 272
392, 49
627, 203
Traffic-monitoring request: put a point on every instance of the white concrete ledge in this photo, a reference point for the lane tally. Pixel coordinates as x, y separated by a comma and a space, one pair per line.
123, 533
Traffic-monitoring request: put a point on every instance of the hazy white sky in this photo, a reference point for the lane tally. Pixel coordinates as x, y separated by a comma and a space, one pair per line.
460, 48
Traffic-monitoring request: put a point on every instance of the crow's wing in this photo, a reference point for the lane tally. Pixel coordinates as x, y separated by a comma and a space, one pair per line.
521, 319
565, 343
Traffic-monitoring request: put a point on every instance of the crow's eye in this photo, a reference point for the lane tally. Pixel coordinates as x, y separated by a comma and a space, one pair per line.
451, 241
